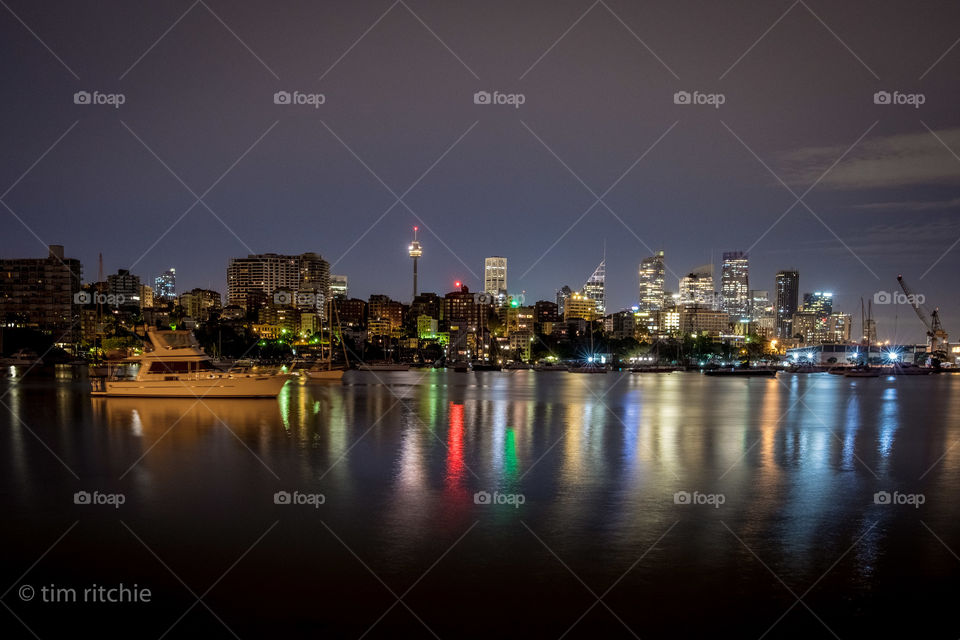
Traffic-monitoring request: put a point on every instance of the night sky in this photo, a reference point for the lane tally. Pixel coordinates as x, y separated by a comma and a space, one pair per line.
399, 120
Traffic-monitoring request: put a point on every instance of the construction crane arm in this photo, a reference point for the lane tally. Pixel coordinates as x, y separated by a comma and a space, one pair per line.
912, 299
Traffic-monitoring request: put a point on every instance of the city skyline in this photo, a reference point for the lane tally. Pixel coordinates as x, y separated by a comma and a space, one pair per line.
297, 278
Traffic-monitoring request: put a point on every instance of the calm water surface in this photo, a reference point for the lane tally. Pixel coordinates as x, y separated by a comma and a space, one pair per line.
631, 505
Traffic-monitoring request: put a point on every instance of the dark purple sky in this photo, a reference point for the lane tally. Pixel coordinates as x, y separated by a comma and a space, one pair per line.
401, 97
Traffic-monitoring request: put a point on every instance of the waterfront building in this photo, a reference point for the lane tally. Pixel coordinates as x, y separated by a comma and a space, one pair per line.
307, 273
696, 320
42, 293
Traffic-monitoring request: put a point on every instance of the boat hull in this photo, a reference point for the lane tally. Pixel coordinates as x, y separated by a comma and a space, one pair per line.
219, 387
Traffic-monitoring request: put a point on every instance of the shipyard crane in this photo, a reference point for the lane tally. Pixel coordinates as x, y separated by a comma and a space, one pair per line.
936, 336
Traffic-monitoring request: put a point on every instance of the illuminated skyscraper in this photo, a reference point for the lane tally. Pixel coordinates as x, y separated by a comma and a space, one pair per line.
652, 271
595, 287
788, 288
820, 303
735, 285
495, 275
697, 287
166, 285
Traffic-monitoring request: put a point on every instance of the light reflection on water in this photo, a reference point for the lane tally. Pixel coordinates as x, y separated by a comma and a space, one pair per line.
598, 458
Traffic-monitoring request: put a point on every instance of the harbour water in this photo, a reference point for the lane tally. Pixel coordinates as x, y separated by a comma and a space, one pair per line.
500, 504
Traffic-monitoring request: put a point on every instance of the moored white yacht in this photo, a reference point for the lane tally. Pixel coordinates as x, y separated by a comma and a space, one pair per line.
178, 368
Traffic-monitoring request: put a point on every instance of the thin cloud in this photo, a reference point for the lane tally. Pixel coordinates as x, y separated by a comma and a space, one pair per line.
901, 160
911, 205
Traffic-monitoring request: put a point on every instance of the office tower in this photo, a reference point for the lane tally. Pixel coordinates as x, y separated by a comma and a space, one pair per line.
820, 303
495, 275
41, 292
735, 285
595, 287
697, 287
415, 252
338, 287
652, 272
788, 288
166, 285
